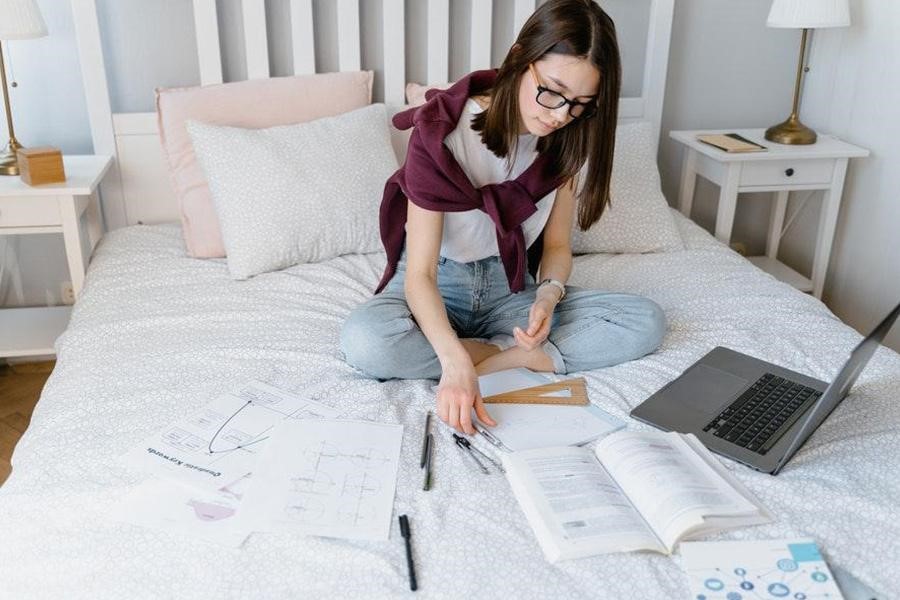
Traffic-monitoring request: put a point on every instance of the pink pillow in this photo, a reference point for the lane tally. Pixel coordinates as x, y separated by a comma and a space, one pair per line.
255, 104
415, 92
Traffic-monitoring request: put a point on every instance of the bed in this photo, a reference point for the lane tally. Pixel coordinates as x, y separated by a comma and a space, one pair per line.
156, 334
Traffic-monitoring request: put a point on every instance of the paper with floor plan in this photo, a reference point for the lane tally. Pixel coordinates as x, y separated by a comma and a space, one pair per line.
528, 426
327, 477
220, 442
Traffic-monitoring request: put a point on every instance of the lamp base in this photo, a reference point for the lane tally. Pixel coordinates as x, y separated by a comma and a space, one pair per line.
9, 164
791, 131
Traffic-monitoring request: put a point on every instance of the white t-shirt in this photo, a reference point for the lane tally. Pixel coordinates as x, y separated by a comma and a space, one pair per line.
471, 235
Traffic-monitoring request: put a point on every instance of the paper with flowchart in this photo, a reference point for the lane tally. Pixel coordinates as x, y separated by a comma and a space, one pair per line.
327, 477
791, 568
173, 507
220, 442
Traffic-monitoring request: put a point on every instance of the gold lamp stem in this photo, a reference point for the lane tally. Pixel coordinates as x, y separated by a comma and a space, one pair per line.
9, 165
792, 131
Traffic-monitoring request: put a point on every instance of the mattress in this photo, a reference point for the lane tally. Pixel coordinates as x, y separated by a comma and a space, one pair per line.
156, 334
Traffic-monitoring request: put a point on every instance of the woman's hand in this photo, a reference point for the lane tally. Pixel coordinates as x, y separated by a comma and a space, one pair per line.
458, 393
539, 319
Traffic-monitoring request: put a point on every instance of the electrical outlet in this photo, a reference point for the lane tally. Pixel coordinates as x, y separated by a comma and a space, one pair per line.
67, 292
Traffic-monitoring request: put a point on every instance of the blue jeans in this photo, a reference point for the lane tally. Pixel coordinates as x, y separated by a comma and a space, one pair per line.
590, 329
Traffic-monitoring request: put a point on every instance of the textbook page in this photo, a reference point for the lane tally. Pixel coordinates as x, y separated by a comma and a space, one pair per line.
573, 505
672, 487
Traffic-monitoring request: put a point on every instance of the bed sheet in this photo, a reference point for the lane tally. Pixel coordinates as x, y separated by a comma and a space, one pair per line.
156, 334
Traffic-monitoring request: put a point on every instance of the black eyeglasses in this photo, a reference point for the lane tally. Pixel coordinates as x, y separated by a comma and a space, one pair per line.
553, 100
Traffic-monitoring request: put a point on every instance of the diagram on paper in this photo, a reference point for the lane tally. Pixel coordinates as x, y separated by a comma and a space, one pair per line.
349, 477
170, 506
333, 478
221, 441
759, 569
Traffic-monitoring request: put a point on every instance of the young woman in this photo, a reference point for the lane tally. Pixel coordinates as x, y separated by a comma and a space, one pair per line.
492, 171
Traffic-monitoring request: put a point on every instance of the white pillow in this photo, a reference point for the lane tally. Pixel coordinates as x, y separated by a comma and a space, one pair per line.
638, 218
297, 193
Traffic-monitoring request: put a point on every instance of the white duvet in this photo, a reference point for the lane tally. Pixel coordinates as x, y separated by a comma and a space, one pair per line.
156, 334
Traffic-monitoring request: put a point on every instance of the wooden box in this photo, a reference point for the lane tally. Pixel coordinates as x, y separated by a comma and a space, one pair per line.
38, 166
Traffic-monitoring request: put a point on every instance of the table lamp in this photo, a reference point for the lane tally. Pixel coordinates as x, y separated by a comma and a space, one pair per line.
806, 15
19, 20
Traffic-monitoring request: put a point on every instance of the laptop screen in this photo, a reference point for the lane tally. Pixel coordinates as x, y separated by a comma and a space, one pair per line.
838, 389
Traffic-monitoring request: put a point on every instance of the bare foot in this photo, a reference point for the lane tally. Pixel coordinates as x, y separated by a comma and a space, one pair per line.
511, 358
479, 351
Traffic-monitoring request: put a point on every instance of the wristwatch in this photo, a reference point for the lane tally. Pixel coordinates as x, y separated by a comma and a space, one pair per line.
557, 284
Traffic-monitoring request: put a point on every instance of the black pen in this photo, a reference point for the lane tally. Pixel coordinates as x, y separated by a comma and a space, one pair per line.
429, 453
425, 440
410, 567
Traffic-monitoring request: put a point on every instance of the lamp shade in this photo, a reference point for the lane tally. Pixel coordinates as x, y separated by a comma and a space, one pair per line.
809, 14
21, 20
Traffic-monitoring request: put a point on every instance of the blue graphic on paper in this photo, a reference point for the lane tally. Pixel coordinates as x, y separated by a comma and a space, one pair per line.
805, 552
759, 571
714, 584
786, 564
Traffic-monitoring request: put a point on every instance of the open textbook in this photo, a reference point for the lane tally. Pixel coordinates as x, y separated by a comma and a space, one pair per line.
634, 491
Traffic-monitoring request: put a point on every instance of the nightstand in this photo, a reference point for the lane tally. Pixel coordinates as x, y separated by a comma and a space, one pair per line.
781, 169
51, 208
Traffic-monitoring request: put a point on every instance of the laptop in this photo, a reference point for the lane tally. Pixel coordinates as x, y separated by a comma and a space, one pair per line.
750, 410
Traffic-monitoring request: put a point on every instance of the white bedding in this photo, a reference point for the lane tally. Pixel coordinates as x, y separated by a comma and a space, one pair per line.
156, 334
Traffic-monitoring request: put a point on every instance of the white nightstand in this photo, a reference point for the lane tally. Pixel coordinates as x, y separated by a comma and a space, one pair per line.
51, 208
781, 169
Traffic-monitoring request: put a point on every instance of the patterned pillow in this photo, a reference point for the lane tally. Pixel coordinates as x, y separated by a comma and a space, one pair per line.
297, 193
256, 103
638, 218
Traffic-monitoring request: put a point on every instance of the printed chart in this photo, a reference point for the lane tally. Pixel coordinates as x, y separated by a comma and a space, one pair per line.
791, 569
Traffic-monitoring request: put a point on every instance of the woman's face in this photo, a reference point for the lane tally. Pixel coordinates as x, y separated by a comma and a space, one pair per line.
573, 77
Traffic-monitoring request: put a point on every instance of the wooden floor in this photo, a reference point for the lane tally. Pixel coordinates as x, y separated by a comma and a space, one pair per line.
20, 388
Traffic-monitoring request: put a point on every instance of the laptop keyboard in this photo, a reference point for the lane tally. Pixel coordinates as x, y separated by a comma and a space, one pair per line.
761, 415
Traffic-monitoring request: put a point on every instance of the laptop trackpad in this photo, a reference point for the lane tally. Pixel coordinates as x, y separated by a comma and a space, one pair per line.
706, 389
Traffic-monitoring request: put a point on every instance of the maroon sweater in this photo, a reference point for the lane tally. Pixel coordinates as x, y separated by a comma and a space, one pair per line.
433, 180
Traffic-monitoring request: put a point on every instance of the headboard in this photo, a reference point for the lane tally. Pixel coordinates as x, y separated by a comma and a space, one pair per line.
138, 188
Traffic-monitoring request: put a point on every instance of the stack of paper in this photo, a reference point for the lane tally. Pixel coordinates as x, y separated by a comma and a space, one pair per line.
529, 426
263, 460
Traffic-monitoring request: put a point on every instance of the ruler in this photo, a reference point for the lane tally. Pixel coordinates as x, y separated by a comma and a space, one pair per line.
538, 394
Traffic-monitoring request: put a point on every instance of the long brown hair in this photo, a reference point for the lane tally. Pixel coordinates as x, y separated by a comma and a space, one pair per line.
577, 28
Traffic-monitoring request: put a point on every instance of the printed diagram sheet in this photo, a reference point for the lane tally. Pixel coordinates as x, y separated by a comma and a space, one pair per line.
174, 507
219, 443
792, 569
327, 477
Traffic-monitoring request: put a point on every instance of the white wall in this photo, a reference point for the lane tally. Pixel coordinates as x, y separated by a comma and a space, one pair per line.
853, 91
726, 69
